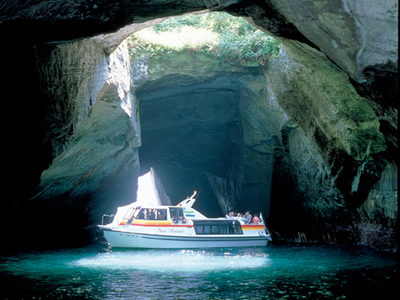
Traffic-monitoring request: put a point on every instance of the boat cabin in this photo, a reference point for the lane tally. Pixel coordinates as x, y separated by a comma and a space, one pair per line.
158, 224
181, 214
174, 214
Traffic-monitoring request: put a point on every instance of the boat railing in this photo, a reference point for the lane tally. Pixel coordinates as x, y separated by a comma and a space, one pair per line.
108, 216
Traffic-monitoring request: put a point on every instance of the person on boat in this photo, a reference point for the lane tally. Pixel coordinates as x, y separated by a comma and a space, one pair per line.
248, 217
181, 220
174, 219
256, 219
151, 215
241, 218
161, 214
231, 215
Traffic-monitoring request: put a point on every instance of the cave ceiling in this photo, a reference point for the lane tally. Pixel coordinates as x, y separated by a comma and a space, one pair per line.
359, 38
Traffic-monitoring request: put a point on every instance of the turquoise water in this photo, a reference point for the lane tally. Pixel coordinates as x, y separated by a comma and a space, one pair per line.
272, 272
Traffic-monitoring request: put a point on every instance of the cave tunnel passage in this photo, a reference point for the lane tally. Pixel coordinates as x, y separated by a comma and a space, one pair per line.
197, 111
192, 133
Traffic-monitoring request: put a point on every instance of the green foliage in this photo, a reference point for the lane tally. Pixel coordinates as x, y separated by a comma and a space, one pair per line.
230, 38
175, 24
138, 46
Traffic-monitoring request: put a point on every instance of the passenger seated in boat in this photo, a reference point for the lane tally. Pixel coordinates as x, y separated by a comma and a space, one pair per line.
181, 220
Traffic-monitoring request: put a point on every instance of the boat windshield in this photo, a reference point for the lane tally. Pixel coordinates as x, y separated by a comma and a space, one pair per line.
131, 213
136, 212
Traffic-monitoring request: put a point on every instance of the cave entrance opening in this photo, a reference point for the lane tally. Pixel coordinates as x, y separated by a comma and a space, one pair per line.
205, 73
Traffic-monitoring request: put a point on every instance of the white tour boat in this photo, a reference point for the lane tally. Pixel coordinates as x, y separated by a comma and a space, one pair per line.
144, 225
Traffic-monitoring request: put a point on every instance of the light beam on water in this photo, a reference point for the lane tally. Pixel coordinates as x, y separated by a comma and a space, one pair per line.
173, 261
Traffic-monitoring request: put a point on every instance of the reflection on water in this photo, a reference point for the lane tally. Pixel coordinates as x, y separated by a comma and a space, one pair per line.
273, 272
173, 261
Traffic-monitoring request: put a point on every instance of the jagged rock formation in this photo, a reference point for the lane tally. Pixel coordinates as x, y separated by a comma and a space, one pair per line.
318, 142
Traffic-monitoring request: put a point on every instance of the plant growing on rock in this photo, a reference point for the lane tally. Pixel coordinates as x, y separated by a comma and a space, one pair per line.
219, 34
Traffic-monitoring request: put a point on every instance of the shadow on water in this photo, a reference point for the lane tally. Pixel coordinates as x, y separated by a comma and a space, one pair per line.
273, 272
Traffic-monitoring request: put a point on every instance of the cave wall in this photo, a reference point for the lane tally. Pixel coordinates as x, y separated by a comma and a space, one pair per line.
376, 218
356, 35
89, 133
305, 193
320, 99
262, 119
100, 162
332, 158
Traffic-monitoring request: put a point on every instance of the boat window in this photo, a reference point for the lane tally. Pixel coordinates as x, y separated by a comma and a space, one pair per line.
214, 229
177, 215
142, 214
152, 214
199, 230
222, 229
217, 227
161, 214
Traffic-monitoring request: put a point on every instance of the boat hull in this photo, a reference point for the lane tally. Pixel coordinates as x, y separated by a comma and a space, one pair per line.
123, 239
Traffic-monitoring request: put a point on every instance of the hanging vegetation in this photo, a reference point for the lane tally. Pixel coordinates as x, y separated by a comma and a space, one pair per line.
218, 34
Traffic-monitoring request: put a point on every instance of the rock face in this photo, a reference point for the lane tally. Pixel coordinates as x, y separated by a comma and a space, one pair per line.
310, 139
355, 35
94, 121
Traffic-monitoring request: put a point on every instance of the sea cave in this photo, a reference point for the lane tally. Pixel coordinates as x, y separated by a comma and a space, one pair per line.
308, 136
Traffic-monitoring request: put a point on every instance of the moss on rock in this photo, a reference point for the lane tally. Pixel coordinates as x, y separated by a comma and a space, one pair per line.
322, 96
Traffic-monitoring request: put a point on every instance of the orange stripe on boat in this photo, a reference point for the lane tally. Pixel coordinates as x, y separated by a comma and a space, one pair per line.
253, 227
123, 222
143, 223
163, 223
157, 224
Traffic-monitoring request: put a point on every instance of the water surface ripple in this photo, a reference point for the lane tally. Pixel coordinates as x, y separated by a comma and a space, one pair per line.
272, 272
